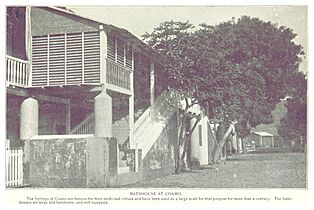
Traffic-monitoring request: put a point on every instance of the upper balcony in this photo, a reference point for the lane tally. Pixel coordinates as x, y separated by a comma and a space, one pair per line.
65, 49
73, 59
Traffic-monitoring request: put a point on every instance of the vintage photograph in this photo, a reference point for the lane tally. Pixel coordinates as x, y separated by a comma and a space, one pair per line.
156, 97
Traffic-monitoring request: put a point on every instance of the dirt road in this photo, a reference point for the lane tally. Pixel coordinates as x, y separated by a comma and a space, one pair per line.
271, 170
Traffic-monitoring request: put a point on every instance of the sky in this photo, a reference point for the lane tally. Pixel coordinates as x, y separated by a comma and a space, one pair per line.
141, 19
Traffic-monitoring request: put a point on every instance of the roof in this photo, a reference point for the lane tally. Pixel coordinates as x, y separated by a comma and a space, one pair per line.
139, 44
262, 133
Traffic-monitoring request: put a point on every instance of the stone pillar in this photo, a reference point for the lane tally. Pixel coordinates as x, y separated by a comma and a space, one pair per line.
28, 123
103, 115
195, 144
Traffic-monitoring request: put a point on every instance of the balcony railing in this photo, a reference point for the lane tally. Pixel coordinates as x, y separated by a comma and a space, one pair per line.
18, 71
118, 75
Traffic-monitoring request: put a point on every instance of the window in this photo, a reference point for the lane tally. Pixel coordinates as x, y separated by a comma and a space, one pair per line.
118, 51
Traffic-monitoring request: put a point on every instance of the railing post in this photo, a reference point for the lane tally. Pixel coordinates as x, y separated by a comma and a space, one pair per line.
14, 72
23, 74
29, 75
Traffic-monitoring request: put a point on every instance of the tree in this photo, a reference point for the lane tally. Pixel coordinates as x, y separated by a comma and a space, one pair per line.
238, 69
254, 62
293, 126
172, 39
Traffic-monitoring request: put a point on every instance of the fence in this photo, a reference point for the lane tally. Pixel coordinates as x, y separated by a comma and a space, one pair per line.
14, 167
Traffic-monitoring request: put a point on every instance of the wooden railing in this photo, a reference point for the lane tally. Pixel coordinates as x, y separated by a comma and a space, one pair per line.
142, 123
14, 167
87, 126
154, 119
118, 75
18, 71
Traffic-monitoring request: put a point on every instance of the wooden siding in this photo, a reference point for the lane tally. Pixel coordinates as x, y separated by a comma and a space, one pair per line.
45, 21
66, 59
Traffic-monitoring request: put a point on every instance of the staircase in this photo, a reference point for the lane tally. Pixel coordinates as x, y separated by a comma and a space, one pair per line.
87, 126
148, 127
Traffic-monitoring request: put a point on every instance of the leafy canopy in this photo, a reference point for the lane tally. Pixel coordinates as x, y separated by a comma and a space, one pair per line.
238, 69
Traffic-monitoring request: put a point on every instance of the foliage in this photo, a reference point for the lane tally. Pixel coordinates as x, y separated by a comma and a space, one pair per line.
238, 69
293, 126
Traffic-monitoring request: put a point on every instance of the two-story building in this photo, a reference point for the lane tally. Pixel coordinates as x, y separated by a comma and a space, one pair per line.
85, 101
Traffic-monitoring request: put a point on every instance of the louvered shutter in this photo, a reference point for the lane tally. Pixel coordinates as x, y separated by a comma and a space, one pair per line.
56, 73
39, 60
74, 58
63, 59
91, 58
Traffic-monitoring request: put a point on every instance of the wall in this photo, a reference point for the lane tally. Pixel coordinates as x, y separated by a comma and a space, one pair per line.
141, 83
16, 32
202, 151
58, 163
160, 160
13, 117
73, 162
45, 22
267, 141
52, 118
255, 138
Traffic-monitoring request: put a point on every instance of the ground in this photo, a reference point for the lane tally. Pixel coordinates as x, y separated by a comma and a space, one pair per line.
268, 170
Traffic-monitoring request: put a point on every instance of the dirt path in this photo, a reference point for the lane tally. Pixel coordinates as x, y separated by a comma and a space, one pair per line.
272, 170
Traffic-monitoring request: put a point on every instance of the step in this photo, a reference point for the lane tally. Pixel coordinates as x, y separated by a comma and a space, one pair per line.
149, 137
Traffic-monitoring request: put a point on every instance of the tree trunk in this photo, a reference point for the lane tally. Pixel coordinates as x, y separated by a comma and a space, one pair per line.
222, 142
180, 134
184, 140
188, 138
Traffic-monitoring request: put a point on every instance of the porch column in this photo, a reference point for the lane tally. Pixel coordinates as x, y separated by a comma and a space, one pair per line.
152, 82
103, 115
103, 55
133, 144
195, 141
28, 123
